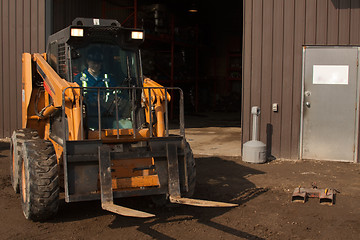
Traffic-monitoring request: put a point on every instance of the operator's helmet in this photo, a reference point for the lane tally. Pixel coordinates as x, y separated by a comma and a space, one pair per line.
95, 54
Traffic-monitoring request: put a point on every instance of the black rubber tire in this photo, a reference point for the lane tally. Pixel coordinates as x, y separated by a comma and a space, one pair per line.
17, 139
191, 172
39, 180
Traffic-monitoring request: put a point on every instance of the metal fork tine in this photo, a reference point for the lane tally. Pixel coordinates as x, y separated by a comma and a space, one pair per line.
99, 111
150, 113
117, 114
81, 119
166, 114
133, 111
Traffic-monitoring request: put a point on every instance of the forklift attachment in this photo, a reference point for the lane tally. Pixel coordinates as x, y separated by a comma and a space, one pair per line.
326, 196
107, 198
299, 195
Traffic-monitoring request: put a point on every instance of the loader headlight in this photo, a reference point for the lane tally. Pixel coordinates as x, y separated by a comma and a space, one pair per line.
77, 32
137, 35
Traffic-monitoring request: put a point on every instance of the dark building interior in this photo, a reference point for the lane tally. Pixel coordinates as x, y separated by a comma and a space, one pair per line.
195, 45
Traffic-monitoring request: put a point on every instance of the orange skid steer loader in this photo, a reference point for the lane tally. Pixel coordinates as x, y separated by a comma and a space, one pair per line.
94, 128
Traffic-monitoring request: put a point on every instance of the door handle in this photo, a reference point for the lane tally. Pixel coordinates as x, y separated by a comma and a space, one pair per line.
307, 104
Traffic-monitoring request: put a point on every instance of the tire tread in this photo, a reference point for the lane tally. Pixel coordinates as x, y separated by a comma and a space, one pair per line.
17, 139
43, 193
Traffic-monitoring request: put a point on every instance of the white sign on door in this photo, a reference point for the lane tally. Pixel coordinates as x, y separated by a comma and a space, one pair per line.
331, 74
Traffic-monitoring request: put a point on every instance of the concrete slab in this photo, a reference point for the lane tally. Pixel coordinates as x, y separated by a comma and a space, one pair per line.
215, 141
214, 134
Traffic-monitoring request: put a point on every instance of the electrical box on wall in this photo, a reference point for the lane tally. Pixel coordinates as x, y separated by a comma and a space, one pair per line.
275, 107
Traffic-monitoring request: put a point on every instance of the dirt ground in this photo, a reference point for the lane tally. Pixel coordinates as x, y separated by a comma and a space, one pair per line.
262, 191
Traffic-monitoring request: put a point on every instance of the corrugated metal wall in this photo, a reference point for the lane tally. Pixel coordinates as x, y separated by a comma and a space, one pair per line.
22, 24
274, 33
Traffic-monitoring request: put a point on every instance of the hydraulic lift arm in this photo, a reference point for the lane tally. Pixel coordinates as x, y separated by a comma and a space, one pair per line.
53, 83
54, 87
157, 98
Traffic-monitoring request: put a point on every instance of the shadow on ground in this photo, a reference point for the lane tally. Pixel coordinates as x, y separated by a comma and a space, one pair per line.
217, 180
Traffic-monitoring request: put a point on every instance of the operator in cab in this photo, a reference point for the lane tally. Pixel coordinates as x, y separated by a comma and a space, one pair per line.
93, 75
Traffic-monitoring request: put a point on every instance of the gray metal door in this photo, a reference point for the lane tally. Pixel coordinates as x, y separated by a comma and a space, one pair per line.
329, 109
